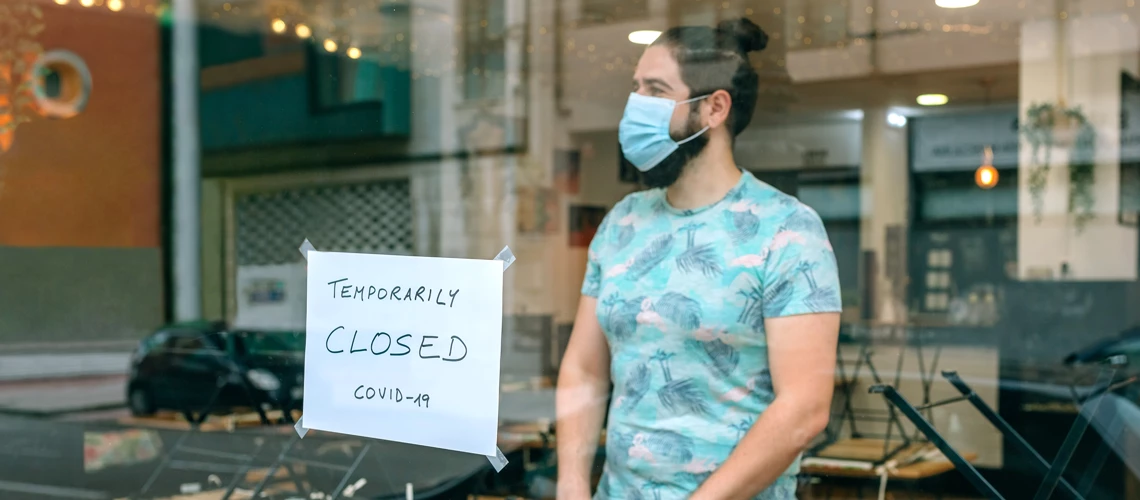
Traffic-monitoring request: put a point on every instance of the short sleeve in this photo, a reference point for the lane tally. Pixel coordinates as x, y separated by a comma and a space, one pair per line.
592, 283
800, 275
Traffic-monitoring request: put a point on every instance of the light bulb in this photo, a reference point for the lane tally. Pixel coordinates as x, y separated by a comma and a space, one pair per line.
353, 52
86, 3
932, 99
278, 26
303, 31
644, 37
115, 5
330, 45
955, 4
62, 2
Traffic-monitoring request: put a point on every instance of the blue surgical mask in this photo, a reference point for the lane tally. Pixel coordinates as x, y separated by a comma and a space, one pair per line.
644, 130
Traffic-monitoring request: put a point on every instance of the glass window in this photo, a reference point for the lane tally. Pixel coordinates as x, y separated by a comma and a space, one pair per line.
896, 242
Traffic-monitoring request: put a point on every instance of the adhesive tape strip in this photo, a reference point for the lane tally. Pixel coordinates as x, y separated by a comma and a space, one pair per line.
305, 247
300, 427
499, 460
507, 256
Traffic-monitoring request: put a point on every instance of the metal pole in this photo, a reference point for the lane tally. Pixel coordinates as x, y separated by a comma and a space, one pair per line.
1076, 432
965, 468
1003, 426
186, 167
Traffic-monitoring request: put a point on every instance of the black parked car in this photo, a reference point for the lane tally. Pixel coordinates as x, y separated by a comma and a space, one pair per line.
209, 367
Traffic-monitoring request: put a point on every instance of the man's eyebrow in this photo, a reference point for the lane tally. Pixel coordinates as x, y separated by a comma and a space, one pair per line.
656, 81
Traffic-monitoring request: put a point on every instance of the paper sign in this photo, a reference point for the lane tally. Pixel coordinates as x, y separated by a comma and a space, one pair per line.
404, 349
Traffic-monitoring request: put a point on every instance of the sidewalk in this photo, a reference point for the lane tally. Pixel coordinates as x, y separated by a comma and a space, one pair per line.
22, 367
44, 385
49, 398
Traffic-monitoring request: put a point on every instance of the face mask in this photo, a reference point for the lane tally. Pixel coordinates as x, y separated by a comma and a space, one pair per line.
644, 130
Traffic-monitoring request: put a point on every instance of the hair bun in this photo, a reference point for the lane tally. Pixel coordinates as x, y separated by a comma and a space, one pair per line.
742, 35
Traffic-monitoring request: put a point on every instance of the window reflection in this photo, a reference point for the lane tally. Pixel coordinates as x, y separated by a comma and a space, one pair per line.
148, 308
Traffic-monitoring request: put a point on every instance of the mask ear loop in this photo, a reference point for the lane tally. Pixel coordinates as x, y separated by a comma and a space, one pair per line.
703, 130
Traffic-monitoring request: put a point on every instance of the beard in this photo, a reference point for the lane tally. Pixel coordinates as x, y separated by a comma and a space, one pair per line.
667, 172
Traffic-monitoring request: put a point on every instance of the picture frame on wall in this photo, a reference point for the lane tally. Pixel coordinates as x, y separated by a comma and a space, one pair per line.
584, 222
567, 171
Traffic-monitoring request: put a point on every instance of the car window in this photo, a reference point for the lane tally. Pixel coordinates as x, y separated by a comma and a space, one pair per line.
195, 343
153, 343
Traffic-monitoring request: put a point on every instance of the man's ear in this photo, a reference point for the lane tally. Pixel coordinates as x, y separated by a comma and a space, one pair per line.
719, 106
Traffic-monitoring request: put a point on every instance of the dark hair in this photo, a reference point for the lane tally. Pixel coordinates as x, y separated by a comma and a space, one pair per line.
714, 59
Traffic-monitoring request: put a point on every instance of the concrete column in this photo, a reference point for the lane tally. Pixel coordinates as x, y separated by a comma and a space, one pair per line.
187, 165
1077, 62
884, 192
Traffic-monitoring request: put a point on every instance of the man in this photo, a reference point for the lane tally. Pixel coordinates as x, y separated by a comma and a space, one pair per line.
710, 302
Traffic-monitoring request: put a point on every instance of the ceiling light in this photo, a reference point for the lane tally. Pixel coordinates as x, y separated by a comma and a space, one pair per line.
303, 31
896, 120
353, 53
955, 4
644, 37
330, 45
278, 26
932, 99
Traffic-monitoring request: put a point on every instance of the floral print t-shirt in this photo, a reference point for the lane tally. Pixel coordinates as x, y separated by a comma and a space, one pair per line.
682, 298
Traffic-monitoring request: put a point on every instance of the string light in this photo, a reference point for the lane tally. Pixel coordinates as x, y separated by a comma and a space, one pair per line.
330, 45
303, 31
87, 3
62, 2
278, 26
115, 5
353, 52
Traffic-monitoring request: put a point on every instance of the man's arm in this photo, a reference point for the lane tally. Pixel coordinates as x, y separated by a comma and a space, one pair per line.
801, 350
583, 387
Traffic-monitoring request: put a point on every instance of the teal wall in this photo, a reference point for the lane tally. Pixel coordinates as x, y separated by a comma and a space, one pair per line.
280, 110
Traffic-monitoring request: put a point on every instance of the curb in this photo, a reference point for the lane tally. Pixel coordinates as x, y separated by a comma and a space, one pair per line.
18, 412
60, 378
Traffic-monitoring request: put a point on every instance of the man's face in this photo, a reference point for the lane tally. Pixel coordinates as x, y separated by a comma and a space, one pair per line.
659, 75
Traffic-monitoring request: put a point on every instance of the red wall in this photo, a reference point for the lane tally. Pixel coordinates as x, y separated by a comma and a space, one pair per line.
91, 180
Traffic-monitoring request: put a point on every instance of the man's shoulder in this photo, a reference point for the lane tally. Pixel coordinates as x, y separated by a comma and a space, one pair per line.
777, 207
637, 201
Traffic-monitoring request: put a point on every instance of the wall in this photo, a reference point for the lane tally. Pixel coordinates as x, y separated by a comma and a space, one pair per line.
79, 207
1079, 62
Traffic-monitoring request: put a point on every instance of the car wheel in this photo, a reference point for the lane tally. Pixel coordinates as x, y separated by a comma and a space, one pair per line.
140, 402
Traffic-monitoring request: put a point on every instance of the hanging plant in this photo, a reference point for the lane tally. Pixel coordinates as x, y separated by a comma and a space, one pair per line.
1038, 132
1046, 126
1082, 170
20, 23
